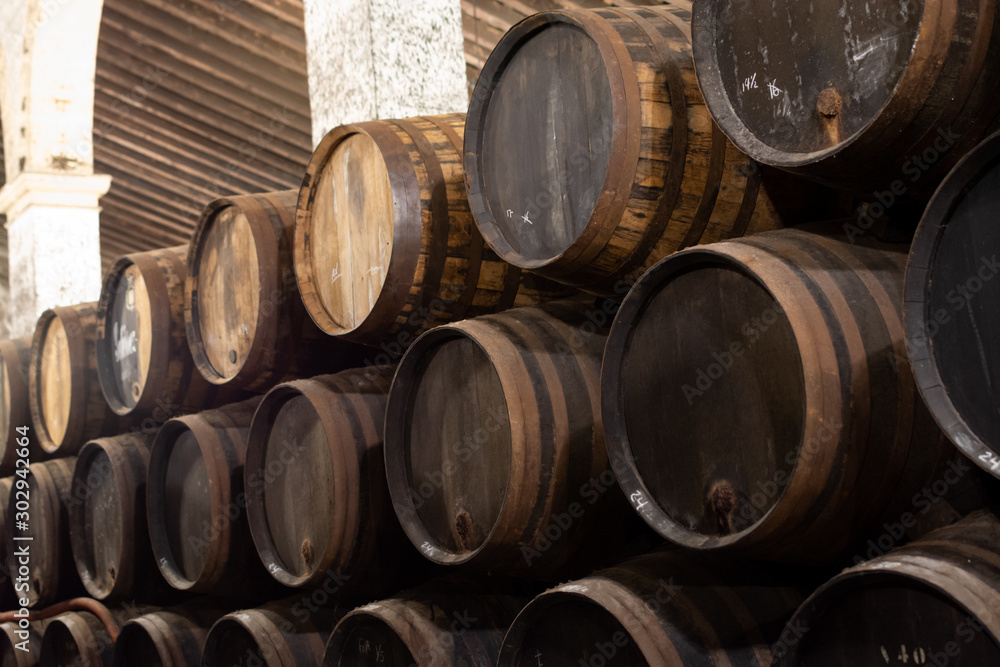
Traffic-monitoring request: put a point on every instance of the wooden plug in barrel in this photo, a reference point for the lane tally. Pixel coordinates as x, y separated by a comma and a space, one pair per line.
315, 480
51, 574
444, 623
143, 360
196, 507
590, 154
659, 609
21, 647
78, 639
494, 446
935, 601
67, 406
855, 95
107, 510
275, 635
15, 362
757, 396
385, 244
170, 638
246, 325
952, 288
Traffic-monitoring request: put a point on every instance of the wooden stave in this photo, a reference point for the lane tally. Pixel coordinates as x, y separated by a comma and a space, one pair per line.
799, 527
970, 112
366, 540
287, 344
15, 355
90, 415
620, 246
8, 639
415, 151
178, 634
8, 599
231, 562
90, 639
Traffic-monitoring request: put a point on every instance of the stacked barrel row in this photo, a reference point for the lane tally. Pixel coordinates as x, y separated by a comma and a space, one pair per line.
331, 396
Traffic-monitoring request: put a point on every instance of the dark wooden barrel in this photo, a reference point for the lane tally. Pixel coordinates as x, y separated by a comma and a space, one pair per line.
659, 609
757, 396
952, 288
446, 623
589, 151
77, 639
246, 324
143, 359
494, 447
51, 574
8, 599
107, 510
67, 406
315, 482
196, 506
276, 635
21, 650
858, 95
170, 638
933, 602
385, 243
15, 362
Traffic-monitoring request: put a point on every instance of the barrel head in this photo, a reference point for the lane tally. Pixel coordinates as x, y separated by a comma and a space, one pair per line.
55, 380
126, 344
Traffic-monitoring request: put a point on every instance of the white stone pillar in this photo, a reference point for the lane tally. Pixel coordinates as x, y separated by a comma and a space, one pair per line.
53, 231
371, 59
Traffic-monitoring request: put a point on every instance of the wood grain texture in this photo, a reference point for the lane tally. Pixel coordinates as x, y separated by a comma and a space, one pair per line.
757, 396
246, 324
172, 637
590, 154
952, 286
385, 243
15, 362
76, 638
315, 479
67, 405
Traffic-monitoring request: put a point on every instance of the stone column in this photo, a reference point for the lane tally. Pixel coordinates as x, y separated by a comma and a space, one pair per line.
371, 59
53, 231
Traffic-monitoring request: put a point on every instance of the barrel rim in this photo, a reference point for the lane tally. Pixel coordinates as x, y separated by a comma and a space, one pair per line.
919, 273
257, 624
10, 356
622, 162
376, 611
404, 383
623, 463
48, 560
78, 362
81, 630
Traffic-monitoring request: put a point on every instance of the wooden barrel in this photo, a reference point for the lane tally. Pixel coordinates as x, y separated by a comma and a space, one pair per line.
50, 574
107, 510
246, 324
589, 151
315, 481
757, 396
493, 440
15, 362
276, 635
659, 609
21, 647
8, 600
385, 243
170, 638
933, 602
77, 639
143, 359
443, 623
856, 94
196, 506
952, 287
67, 406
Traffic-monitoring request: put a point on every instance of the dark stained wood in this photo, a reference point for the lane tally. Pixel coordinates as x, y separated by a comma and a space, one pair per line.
15, 361
445, 622
15, 657
385, 244
315, 480
590, 154
757, 396
76, 638
952, 288
659, 609
246, 324
195, 504
172, 637
932, 602
67, 405
851, 94
7, 597
144, 362
481, 463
